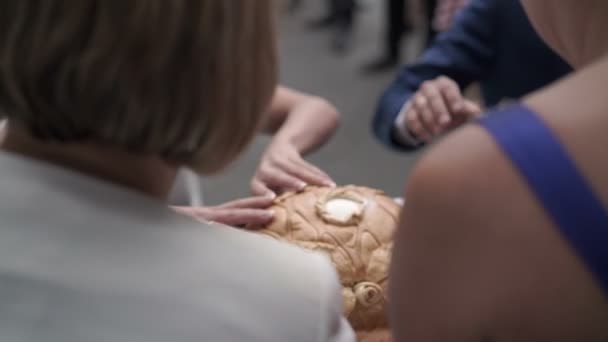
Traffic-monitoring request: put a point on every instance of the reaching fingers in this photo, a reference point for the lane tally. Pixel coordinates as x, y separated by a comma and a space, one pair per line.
436, 104
424, 114
259, 202
277, 178
258, 188
471, 109
240, 217
189, 211
414, 124
249, 211
451, 93
293, 173
310, 174
305, 164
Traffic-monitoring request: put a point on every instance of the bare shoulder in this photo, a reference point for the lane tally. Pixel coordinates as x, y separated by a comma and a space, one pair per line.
476, 256
466, 170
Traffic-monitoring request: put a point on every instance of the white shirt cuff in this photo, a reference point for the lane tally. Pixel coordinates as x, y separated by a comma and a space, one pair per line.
401, 133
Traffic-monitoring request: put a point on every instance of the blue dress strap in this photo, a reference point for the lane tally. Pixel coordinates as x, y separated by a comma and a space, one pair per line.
556, 182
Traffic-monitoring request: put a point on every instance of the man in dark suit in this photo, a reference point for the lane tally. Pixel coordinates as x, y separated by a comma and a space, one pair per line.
397, 25
492, 42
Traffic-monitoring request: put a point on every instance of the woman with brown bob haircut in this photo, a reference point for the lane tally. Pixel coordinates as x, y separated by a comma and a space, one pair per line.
105, 100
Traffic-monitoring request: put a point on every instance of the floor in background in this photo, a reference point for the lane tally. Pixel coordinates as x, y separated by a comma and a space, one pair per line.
353, 156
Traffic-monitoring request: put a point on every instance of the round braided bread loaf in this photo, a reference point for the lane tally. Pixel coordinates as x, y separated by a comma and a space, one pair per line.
354, 226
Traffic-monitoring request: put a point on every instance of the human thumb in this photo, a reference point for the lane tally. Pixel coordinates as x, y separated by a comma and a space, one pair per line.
471, 109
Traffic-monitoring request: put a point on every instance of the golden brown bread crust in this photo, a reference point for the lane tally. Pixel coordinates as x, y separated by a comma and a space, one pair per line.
359, 245
380, 335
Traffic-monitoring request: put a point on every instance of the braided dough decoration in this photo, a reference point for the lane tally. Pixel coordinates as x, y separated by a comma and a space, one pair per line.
354, 225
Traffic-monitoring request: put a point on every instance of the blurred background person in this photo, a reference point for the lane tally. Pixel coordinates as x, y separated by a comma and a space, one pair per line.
430, 7
105, 101
505, 226
398, 24
492, 42
340, 19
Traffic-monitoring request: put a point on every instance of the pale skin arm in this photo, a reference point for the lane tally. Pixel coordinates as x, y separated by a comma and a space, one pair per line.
301, 123
431, 287
306, 120
475, 258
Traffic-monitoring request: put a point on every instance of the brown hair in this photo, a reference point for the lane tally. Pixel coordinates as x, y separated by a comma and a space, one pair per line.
184, 79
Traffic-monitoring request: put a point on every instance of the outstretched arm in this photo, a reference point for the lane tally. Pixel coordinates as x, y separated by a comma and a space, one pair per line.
456, 58
301, 123
304, 120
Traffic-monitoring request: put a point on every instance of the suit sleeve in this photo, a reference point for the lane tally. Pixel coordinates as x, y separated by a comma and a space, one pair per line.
336, 327
464, 53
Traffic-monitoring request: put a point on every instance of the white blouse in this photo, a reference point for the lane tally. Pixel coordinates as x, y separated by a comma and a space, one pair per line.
85, 260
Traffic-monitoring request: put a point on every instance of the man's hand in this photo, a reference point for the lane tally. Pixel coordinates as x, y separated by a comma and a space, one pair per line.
282, 168
249, 211
438, 106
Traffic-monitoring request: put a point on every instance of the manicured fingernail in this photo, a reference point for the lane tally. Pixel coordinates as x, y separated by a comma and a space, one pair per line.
444, 119
302, 185
269, 214
330, 184
271, 195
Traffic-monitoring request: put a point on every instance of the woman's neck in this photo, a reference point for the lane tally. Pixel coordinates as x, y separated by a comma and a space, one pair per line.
147, 174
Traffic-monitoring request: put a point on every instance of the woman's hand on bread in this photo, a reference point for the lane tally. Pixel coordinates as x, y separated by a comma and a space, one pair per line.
282, 168
238, 213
